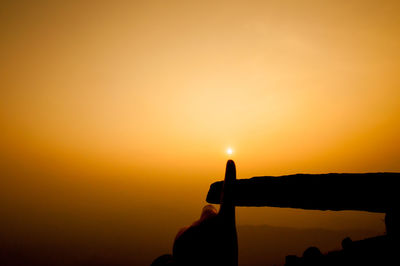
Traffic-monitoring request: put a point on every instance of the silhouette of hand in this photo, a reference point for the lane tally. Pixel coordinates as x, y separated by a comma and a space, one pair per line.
211, 240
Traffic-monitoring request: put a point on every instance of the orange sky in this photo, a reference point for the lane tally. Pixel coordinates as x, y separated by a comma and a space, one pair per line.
134, 103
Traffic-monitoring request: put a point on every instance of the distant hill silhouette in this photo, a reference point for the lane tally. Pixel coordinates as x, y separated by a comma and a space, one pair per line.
269, 245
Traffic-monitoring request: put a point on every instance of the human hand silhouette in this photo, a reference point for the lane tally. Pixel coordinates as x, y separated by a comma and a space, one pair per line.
211, 240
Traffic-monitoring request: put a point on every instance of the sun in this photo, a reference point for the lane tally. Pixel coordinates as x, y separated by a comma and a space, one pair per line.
229, 151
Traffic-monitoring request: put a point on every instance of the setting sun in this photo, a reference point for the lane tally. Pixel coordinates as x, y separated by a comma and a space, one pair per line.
229, 151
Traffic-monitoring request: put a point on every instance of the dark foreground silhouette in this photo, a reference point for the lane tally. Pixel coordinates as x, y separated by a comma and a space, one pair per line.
372, 192
380, 250
212, 240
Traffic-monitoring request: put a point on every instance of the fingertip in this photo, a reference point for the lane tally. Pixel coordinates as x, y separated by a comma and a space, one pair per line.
230, 172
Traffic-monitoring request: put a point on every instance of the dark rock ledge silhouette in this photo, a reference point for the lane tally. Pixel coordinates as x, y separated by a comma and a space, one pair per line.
372, 192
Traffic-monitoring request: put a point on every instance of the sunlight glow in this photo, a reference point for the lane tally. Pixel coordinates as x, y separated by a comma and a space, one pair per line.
229, 151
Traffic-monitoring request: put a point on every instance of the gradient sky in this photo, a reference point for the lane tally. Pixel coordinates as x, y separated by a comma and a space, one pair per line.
134, 103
